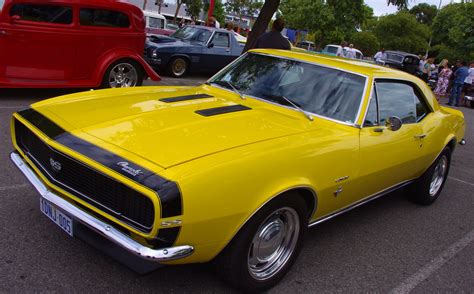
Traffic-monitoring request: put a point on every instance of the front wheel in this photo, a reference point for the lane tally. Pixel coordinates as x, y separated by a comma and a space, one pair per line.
267, 246
428, 187
123, 74
178, 67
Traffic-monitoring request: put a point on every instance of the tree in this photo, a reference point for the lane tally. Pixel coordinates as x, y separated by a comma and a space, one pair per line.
194, 8
401, 4
268, 9
401, 31
178, 7
453, 33
424, 13
243, 7
366, 42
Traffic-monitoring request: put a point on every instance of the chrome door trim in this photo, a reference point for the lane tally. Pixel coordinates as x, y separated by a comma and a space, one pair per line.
361, 202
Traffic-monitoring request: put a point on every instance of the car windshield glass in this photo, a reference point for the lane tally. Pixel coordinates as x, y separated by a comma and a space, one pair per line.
323, 91
394, 57
192, 34
331, 49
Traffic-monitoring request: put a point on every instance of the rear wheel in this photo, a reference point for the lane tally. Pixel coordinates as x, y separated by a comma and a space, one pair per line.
123, 74
428, 187
267, 246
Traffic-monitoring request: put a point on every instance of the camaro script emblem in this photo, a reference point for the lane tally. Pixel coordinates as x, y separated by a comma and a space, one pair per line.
129, 170
56, 165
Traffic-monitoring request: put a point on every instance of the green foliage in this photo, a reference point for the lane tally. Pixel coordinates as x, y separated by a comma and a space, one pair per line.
403, 32
219, 11
367, 42
243, 7
424, 13
401, 4
193, 8
453, 32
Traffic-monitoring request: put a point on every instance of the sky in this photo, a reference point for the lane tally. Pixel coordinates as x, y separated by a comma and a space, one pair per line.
380, 6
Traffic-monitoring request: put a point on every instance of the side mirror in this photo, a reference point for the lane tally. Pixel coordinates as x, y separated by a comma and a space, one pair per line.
393, 123
15, 18
210, 45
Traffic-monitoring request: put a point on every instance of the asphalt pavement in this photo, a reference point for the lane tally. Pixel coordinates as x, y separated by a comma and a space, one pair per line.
388, 245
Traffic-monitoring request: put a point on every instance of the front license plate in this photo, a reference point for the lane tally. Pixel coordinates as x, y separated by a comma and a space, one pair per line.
56, 216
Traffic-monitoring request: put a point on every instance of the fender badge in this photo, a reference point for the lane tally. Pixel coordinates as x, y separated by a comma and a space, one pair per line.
55, 165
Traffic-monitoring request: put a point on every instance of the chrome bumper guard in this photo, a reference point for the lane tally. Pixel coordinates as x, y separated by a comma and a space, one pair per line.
117, 237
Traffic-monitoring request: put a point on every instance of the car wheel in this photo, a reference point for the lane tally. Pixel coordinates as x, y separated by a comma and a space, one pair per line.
178, 67
428, 187
267, 246
123, 74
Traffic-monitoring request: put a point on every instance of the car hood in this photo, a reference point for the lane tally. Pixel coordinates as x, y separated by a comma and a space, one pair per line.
168, 134
171, 42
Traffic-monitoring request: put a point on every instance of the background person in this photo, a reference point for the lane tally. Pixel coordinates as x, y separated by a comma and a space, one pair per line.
351, 53
469, 81
459, 76
274, 39
443, 79
340, 50
380, 56
425, 76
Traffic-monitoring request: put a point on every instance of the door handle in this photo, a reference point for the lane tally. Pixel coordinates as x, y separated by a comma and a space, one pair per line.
420, 136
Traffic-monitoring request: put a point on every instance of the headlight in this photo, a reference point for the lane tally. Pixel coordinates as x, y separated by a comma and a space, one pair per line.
154, 54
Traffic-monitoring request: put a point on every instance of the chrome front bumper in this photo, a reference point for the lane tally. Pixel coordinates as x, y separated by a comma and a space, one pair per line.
117, 237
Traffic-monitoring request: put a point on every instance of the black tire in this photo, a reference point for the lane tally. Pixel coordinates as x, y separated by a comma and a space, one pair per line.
422, 191
233, 264
178, 67
129, 65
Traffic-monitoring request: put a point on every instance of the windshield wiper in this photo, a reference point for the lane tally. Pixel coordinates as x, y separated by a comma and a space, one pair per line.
282, 99
227, 83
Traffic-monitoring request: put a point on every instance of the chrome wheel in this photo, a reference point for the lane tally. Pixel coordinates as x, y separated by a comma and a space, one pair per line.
274, 243
179, 67
438, 175
123, 75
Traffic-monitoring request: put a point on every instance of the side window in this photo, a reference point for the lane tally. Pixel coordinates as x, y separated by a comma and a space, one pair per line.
371, 119
422, 108
221, 40
156, 23
396, 99
103, 18
43, 13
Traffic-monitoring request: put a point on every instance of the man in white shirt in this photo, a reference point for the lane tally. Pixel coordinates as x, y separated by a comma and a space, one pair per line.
380, 57
340, 49
350, 52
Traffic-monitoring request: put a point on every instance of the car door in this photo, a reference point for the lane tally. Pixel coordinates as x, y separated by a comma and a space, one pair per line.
390, 157
217, 54
39, 42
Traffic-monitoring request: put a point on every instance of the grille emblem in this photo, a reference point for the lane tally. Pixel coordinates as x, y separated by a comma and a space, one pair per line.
56, 165
128, 169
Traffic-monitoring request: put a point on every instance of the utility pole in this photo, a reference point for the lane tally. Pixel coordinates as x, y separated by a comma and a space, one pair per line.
431, 37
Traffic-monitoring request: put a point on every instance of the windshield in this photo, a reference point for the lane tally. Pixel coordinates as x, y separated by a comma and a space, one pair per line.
192, 34
394, 57
316, 89
331, 49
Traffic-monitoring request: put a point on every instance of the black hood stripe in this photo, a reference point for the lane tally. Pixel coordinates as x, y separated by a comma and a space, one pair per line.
41, 122
185, 98
167, 191
222, 110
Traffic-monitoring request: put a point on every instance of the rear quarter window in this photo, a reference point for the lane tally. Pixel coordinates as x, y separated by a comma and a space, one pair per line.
103, 18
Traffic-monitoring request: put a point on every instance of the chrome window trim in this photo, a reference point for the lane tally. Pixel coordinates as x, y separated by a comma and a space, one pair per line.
354, 124
362, 202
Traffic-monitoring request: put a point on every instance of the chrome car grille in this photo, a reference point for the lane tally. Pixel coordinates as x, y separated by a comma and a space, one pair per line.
84, 182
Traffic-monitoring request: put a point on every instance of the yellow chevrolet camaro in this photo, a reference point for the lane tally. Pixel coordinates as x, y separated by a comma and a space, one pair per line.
237, 169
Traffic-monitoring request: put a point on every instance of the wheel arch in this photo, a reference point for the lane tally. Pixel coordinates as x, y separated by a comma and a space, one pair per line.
185, 56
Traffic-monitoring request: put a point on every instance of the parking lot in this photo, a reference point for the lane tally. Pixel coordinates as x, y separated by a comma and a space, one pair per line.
389, 245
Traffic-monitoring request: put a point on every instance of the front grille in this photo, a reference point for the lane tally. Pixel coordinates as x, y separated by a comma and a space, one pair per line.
82, 181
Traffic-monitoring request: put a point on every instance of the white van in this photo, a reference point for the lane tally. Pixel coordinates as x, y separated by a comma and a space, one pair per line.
156, 24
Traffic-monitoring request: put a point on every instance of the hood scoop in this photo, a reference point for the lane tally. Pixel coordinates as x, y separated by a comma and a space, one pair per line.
222, 110
185, 98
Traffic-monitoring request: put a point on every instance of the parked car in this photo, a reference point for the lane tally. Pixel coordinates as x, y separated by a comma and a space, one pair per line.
157, 24
403, 61
235, 170
68, 43
307, 45
193, 49
332, 50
